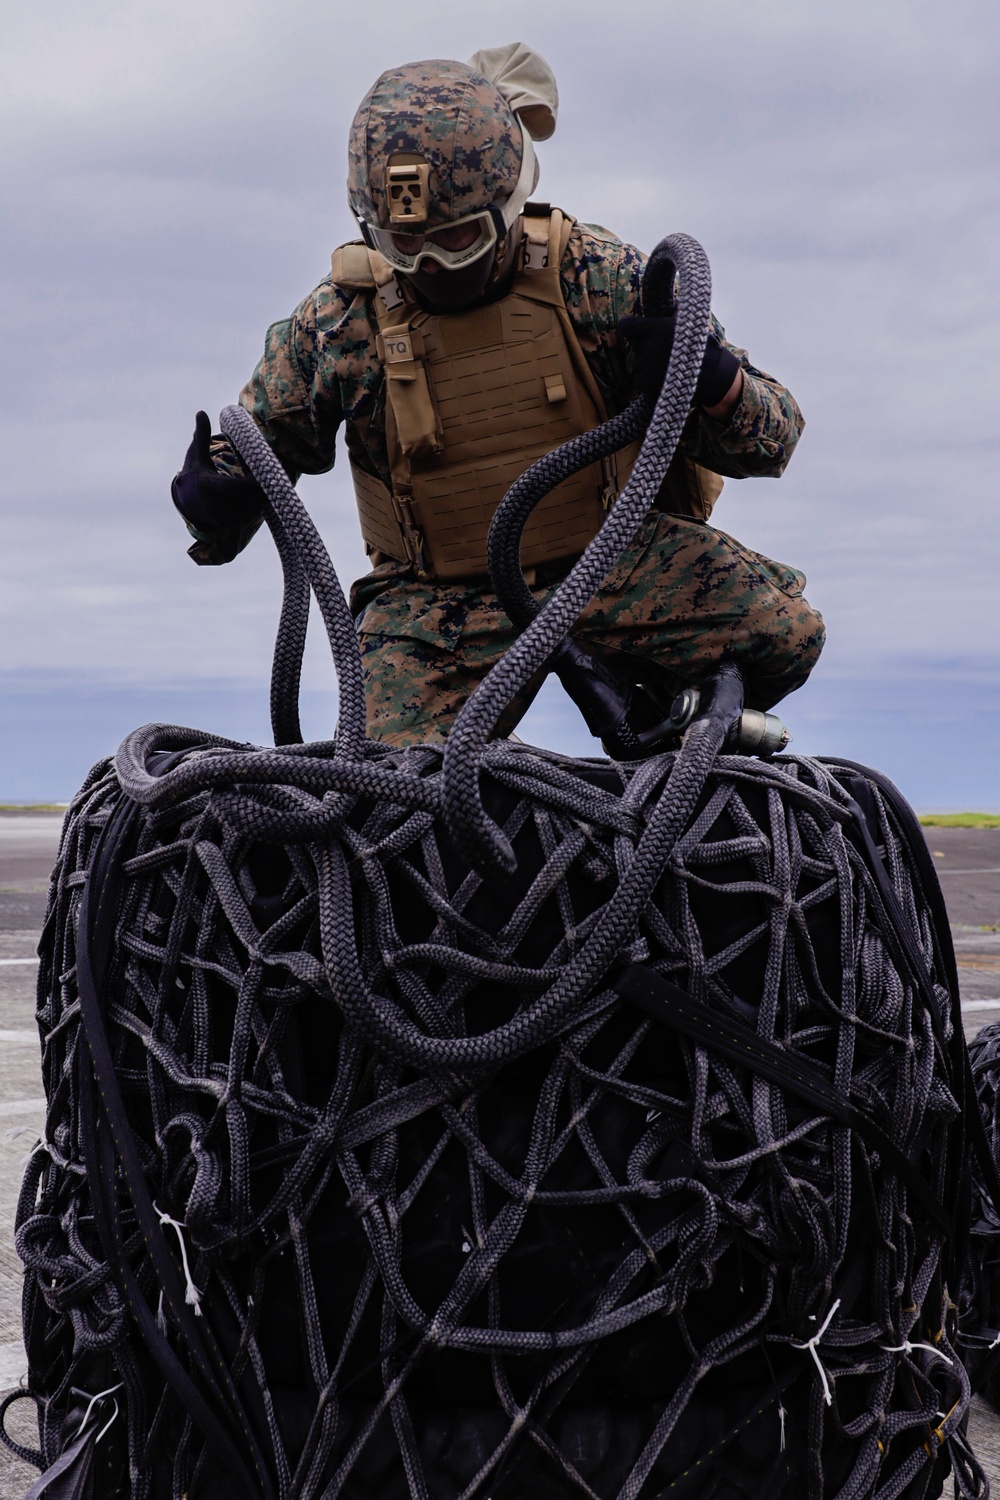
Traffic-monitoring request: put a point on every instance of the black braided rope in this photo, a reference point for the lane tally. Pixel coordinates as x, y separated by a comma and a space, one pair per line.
20, 1450
303, 555
462, 1221
290, 640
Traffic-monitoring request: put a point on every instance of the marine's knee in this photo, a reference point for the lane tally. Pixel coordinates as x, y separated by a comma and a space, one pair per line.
808, 637
786, 656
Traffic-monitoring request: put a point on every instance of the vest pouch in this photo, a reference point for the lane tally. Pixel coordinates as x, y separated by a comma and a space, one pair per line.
401, 350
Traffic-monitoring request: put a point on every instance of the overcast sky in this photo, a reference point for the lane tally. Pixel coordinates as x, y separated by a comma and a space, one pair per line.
173, 181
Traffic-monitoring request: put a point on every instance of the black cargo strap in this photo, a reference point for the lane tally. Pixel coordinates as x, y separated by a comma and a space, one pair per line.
723, 1034
110, 1142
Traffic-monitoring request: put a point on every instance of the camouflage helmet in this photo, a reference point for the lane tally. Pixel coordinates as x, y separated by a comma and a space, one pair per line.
438, 142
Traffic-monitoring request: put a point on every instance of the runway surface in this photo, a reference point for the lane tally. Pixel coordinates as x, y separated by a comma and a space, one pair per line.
967, 860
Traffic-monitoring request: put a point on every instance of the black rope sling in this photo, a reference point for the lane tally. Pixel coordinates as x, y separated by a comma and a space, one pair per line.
480, 1122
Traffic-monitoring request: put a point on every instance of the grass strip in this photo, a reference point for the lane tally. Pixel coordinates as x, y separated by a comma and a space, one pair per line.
33, 807
960, 820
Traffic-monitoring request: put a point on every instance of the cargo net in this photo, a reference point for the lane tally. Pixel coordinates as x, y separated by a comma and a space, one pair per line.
451, 1243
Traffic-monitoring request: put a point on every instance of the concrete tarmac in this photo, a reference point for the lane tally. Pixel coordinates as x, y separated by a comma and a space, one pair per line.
28, 844
967, 860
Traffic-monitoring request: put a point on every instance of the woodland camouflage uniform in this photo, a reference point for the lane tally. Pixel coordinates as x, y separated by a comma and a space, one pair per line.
683, 594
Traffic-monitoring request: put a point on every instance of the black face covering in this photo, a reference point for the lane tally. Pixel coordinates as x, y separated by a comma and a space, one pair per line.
452, 291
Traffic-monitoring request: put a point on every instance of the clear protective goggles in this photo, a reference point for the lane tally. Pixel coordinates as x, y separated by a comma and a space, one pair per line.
452, 246
464, 240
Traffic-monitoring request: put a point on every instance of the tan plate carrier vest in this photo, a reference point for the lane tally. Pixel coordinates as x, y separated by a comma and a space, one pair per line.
473, 398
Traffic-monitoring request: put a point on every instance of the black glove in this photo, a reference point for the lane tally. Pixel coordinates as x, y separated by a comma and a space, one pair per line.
651, 340
221, 511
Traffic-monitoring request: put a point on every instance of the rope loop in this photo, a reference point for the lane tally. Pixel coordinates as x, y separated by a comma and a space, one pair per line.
306, 565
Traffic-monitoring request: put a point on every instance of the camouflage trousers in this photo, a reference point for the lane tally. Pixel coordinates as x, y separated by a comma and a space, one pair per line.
683, 596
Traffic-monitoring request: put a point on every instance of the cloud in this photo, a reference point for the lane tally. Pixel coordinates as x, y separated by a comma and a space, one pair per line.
174, 181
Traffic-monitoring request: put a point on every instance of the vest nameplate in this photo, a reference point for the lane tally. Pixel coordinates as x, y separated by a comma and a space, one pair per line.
398, 345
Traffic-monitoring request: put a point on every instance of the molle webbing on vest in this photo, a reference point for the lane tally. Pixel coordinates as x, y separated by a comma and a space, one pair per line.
385, 526
473, 399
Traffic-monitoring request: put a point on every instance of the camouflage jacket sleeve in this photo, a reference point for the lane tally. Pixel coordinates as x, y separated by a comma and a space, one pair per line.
602, 281
318, 369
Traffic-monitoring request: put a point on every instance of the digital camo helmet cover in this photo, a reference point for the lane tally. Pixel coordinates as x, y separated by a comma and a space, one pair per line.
453, 118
